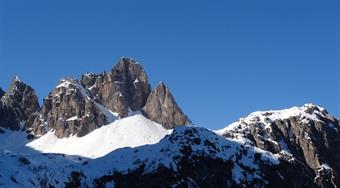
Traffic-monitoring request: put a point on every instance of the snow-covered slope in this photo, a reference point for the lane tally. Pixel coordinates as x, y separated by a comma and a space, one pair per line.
13, 141
186, 143
186, 147
132, 131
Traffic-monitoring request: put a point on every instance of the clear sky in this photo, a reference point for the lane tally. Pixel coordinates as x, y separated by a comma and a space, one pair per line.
221, 59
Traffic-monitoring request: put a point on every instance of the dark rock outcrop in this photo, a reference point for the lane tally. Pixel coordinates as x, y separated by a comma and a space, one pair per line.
124, 88
162, 108
70, 110
308, 136
2, 93
19, 106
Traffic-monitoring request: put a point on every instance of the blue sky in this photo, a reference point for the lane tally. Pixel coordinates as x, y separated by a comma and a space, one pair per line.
221, 59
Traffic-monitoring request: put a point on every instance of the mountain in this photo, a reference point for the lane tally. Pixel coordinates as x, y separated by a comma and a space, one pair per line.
296, 147
78, 107
265, 149
112, 130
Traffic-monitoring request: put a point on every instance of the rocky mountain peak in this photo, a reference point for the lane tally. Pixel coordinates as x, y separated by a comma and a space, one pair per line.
162, 108
126, 62
162, 88
125, 88
77, 107
19, 105
308, 135
134, 80
16, 84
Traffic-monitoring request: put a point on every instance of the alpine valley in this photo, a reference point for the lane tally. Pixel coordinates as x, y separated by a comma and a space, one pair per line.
113, 130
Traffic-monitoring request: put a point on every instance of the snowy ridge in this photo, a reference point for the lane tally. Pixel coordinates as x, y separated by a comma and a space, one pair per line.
128, 132
264, 120
170, 149
305, 114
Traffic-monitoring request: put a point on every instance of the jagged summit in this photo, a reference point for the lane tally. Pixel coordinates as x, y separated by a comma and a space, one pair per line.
162, 85
125, 88
162, 108
19, 105
127, 61
77, 107
17, 84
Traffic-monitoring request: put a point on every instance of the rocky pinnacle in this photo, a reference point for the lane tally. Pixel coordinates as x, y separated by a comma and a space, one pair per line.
18, 106
125, 88
162, 108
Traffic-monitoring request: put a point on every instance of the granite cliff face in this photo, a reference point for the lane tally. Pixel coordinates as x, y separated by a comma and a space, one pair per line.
161, 107
18, 106
307, 137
